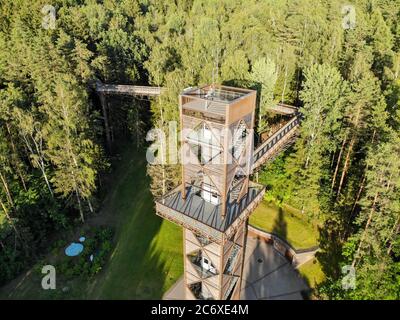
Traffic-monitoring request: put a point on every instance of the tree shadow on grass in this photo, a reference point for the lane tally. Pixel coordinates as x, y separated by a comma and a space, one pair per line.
163, 265
330, 248
280, 225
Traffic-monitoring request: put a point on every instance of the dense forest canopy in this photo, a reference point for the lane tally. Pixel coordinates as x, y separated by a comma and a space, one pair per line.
343, 171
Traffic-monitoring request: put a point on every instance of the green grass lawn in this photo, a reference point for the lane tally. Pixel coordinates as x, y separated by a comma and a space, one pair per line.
147, 257
286, 223
312, 272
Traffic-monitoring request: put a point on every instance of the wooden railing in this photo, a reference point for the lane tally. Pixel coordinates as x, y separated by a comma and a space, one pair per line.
283, 108
273, 145
186, 221
247, 211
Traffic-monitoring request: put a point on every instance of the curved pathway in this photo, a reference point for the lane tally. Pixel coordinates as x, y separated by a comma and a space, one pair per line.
269, 275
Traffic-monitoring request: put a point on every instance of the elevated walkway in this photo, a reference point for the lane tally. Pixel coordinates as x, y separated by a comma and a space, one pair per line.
280, 140
283, 108
131, 90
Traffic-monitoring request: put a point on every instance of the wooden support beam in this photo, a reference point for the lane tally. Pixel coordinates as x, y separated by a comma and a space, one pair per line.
103, 102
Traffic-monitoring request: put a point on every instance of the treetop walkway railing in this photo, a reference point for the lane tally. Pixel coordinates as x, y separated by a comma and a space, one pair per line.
128, 89
275, 143
283, 108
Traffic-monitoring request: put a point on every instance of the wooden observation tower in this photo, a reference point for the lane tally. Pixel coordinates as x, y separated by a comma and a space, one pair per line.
216, 197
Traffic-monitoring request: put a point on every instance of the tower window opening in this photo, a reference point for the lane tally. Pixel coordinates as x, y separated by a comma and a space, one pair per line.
209, 194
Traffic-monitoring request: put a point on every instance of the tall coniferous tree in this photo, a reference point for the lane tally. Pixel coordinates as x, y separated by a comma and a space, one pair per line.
323, 95
69, 148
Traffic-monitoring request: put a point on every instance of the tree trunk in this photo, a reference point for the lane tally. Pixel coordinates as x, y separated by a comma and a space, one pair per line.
395, 231
80, 205
333, 158
106, 123
365, 230
10, 219
351, 145
361, 188
346, 165
163, 148
15, 157
41, 164
47, 180
284, 85
90, 205
21, 177
7, 191
163, 168
358, 194
338, 163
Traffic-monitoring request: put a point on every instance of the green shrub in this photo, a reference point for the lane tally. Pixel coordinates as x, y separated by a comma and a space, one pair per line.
97, 242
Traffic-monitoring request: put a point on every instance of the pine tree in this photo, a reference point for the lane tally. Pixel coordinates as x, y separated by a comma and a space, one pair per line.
323, 95
69, 149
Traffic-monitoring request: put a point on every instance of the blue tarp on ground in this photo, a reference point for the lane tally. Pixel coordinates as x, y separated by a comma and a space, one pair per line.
74, 249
